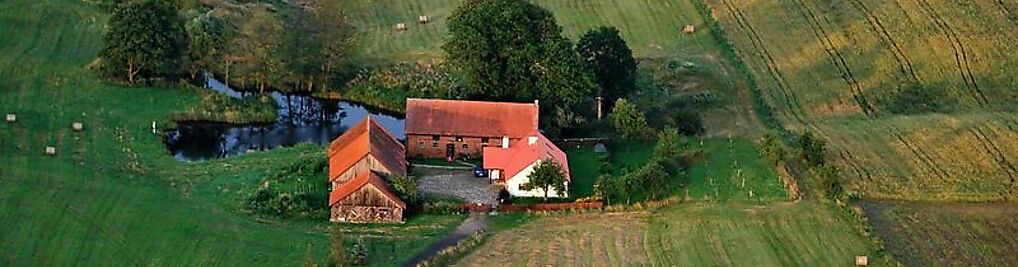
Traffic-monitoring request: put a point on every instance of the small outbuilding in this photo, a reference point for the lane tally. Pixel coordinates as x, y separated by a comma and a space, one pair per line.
360, 161
366, 199
365, 146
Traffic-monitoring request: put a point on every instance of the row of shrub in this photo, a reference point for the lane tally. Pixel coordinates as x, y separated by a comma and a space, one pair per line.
760, 105
388, 87
295, 190
663, 172
223, 108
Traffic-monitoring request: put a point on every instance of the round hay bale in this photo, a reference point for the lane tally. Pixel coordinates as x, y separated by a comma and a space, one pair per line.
862, 261
77, 126
52, 151
400, 26
689, 29
423, 19
11, 118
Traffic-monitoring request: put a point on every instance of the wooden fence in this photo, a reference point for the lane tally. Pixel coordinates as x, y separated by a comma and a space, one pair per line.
572, 142
506, 208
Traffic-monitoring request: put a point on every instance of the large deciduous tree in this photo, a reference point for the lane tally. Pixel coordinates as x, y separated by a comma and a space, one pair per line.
205, 34
512, 50
548, 175
611, 60
144, 39
333, 36
253, 52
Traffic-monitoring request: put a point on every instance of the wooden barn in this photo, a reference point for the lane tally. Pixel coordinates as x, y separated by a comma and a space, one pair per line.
438, 128
360, 162
366, 199
366, 146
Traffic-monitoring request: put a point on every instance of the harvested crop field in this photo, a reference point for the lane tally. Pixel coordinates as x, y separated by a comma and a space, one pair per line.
612, 239
689, 234
835, 67
948, 234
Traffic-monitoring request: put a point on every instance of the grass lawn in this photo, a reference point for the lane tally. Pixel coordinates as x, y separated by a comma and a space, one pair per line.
732, 171
113, 195
688, 234
716, 177
584, 163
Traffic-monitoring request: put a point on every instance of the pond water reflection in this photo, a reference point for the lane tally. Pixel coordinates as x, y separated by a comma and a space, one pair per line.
302, 118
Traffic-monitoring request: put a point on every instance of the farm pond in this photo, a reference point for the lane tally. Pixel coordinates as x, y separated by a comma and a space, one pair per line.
301, 119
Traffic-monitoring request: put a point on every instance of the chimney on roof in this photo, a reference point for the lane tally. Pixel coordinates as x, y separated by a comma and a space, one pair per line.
505, 141
531, 140
537, 102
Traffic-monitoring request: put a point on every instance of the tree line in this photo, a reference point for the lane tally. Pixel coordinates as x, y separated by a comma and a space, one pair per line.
252, 46
507, 50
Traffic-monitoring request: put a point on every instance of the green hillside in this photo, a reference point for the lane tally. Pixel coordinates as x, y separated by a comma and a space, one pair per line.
652, 28
833, 67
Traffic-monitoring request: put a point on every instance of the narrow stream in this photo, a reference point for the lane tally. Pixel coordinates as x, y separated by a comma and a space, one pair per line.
302, 118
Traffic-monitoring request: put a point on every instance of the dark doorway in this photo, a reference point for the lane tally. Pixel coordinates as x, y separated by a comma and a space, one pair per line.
450, 150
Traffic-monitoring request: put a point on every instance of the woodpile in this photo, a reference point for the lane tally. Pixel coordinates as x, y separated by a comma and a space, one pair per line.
52, 151
862, 261
423, 19
77, 126
11, 118
400, 27
689, 29
366, 214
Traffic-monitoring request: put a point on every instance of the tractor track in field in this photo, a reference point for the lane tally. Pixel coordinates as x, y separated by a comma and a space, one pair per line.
904, 63
850, 159
994, 151
78, 216
920, 154
1010, 14
960, 55
835, 56
790, 99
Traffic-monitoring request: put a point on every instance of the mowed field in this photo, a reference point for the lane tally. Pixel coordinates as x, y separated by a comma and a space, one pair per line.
652, 28
829, 66
920, 234
686, 234
113, 195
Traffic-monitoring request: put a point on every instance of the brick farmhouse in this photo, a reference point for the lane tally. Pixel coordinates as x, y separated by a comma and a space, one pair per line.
452, 128
506, 135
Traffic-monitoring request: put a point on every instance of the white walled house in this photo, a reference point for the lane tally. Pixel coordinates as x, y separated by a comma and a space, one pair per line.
512, 163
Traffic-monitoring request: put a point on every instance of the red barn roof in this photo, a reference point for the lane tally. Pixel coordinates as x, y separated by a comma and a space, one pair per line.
363, 179
470, 118
518, 156
364, 138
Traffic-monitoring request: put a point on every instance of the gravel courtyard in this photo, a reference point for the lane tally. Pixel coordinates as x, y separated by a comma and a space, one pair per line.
456, 183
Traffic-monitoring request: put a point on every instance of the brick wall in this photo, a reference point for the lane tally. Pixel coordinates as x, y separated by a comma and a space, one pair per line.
426, 146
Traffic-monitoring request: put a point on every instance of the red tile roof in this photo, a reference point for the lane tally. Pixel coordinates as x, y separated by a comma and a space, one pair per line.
362, 179
519, 155
470, 118
364, 138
